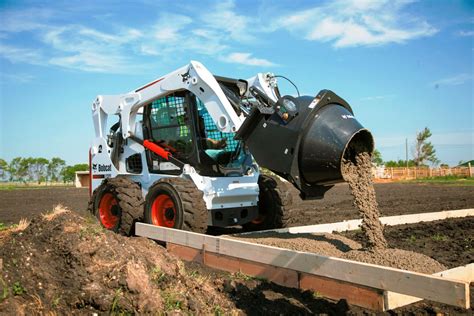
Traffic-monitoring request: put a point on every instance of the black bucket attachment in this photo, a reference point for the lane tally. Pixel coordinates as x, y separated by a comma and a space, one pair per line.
304, 140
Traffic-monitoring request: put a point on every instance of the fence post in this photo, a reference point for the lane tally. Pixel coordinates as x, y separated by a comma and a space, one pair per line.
470, 171
415, 173
391, 173
431, 172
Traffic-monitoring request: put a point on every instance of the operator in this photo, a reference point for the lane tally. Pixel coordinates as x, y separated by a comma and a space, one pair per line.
215, 150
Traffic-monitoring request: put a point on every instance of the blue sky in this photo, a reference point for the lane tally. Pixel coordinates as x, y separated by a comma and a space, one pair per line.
402, 65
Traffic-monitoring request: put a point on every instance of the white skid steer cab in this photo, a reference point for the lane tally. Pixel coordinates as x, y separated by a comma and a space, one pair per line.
185, 150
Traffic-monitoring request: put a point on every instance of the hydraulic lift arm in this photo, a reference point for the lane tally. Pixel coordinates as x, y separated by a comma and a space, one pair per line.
193, 77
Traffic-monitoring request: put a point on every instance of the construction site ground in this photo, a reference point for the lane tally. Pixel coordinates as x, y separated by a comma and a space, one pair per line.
393, 199
68, 264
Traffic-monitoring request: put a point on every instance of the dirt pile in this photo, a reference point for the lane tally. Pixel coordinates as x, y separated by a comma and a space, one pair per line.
357, 171
67, 264
334, 245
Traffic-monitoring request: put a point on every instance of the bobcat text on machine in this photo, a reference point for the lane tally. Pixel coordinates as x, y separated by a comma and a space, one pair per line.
184, 151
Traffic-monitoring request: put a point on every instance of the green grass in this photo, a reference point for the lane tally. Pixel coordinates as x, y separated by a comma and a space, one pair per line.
5, 226
157, 275
91, 230
439, 237
171, 301
30, 186
5, 290
411, 239
218, 311
56, 301
18, 289
245, 277
445, 180
115, 308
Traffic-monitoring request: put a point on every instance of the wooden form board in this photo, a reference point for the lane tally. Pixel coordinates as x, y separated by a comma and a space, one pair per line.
354, 294
394, 300
435, 288
388, 220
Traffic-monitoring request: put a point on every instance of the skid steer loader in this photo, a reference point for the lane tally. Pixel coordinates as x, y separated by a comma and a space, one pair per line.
185, 150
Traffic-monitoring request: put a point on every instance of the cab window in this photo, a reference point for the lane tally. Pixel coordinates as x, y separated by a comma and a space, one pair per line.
170, 126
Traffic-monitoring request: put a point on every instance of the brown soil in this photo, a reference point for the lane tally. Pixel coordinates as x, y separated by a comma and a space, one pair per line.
69, 265
28, 203
358, 174
339, 246
393, 199
337, 205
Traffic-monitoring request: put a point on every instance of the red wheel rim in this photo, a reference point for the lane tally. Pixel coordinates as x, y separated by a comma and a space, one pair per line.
163, 211
108, 211
262, 208
260, 218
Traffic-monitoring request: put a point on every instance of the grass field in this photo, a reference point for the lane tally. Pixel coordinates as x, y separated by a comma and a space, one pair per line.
8, 186
445, 180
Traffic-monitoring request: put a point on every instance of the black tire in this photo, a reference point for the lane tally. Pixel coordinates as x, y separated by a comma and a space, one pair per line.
189, 210
274, 204
129, 204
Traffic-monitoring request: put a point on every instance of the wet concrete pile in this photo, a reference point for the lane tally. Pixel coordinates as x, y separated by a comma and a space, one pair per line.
373, 247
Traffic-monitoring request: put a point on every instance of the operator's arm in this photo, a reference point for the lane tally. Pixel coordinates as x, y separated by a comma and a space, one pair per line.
216, 144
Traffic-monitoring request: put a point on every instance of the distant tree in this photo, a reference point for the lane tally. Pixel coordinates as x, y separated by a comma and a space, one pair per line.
69, 172
377, 158
54, 168
424, 150
444, 165
3, 168
18, 169
13, 168
399, 163
37, 169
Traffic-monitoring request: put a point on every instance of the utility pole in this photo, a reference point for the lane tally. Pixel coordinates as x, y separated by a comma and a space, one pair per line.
406, 151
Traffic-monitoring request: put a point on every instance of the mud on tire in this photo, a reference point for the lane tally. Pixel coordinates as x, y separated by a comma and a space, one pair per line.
274, 204
190, 212
128, 195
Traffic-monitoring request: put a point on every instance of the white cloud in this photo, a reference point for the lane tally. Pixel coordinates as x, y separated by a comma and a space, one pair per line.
465, 33
77, 37
247, 59
228, 23
92, 62
169, 26
87, 49
453, 80
211, 32
15, 77
219, 30
21, 55
175, 34
15, 21
356, 23
377, 97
